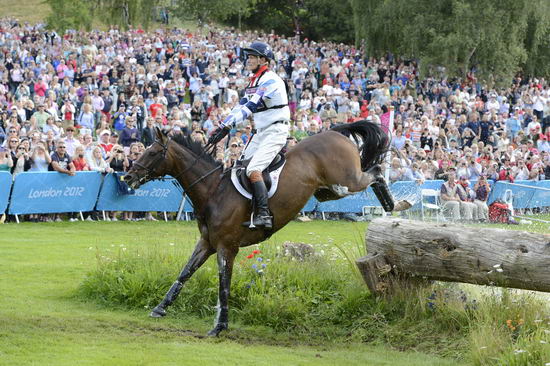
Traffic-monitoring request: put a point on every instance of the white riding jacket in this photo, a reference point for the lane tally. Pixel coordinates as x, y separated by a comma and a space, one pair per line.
266, 98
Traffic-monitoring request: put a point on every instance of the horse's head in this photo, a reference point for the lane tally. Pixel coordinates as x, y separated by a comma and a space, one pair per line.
152, 163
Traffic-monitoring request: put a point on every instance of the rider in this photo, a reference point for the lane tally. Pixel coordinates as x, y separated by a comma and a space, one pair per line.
266, 98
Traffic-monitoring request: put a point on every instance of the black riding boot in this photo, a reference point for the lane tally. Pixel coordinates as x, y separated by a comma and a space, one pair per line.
262, 216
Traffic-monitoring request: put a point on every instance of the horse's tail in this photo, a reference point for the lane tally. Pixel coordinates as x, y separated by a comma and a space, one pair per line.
372, 141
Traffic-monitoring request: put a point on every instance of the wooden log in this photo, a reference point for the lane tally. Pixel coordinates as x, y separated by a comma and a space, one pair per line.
456, 253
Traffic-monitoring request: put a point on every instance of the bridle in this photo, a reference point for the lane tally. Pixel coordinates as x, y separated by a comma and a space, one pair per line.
150, 173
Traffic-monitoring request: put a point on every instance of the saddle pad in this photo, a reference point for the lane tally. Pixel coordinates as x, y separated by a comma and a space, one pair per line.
245, 191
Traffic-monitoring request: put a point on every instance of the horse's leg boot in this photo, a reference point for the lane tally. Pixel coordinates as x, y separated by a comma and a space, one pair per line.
263, 217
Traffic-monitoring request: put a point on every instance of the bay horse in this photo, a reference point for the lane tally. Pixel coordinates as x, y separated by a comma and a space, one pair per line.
328, 165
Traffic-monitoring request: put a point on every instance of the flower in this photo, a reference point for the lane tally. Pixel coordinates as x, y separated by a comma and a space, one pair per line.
256, 251
260, 259
254, 266
250, 256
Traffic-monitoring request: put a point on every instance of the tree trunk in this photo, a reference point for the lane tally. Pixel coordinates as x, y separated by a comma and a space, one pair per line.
400, 248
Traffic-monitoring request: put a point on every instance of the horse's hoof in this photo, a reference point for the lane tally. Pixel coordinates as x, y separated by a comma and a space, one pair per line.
157, 313
217, 329
402, 205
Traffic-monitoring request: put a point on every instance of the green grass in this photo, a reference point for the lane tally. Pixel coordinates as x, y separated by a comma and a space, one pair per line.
43, 321
32, 11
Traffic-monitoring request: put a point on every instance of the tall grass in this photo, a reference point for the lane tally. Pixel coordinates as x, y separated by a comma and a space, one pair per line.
323, 298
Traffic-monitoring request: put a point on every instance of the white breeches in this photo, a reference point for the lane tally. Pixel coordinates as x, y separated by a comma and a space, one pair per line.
265, 145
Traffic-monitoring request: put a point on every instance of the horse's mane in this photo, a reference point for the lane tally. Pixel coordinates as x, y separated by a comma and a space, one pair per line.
195, 147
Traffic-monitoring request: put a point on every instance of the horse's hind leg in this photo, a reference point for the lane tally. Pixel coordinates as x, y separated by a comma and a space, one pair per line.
200, 255
226, 257
372, 177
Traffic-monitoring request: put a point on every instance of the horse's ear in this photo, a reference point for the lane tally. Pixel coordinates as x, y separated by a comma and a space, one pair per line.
161, 136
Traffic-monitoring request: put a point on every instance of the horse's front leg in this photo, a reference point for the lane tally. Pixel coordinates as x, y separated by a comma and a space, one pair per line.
226, 258
200, 255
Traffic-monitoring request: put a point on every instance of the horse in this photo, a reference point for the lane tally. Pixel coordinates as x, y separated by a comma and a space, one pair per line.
330, 165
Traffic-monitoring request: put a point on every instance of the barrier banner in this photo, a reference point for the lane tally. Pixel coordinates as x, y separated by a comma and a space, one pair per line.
350, 204
5, 186
523, 196
310, 205
53, 192
158, 195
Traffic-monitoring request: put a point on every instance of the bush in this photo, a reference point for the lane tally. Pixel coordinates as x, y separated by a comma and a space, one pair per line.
324, 298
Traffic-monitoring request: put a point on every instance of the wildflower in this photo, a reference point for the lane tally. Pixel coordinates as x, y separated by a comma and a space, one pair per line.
260, 259
260, 271
250, 256
496, 266
256, 251
500, 270
518, 351
543, 342
264, 265
255, 266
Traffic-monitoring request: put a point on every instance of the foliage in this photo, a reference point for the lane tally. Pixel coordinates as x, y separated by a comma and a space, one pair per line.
78, 14
460, 35
322, 298
213, 10
126, 13
69, 14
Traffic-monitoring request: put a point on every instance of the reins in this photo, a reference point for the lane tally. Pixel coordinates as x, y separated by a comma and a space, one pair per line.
164, 152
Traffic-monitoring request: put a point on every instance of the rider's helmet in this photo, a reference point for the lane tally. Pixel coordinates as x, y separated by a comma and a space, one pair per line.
259, 49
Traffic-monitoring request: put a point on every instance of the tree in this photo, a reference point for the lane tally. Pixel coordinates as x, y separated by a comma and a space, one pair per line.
73, 14
126, 13
459, 35
212, 10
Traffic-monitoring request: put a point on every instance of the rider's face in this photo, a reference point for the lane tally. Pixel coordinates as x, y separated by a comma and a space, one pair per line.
252, 62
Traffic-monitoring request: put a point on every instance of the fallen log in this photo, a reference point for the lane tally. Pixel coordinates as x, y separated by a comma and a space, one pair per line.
401, 249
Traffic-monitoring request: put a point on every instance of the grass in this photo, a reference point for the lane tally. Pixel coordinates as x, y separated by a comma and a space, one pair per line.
32, 11
45, 322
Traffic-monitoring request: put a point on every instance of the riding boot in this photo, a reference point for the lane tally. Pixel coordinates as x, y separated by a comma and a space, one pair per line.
262, 216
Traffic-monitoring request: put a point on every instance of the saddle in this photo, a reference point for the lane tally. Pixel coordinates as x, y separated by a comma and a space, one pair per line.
270, 176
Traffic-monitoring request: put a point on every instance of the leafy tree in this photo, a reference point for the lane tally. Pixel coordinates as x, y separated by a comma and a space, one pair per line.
212, 10
126, 13
73, 14
460, 35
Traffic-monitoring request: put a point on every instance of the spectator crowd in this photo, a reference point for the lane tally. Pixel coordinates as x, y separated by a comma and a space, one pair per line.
91, 101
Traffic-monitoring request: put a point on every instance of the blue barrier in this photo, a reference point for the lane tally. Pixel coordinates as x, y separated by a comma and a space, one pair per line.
311, 205
159, 195
523, 197
5, 187
350, 204
52, 192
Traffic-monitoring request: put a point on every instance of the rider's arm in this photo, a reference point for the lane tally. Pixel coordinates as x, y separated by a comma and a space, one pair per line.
240, 113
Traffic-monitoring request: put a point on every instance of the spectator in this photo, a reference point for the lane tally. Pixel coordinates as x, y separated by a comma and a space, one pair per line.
450, 197
482, 190
79, 160
22, 160
40, 158
130, 134
61, 161
6, 162
97, 163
